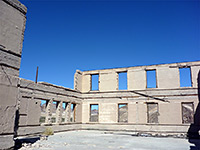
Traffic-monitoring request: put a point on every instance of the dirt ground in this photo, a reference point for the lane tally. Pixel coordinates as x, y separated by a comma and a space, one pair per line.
104, 140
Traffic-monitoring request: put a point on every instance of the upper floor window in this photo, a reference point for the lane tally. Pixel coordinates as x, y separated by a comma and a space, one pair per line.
122, 81
185, 77
95, 82
151, 78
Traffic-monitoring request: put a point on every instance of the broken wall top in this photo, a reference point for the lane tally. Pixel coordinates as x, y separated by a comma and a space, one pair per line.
167, 76
18, 5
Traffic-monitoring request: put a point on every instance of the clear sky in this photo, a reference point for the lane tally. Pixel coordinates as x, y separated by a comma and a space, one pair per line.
62, 36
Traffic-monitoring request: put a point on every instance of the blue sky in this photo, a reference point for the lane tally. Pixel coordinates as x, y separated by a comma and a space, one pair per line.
62, 36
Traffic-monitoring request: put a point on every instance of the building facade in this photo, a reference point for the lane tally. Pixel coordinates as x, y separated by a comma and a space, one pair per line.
155, 100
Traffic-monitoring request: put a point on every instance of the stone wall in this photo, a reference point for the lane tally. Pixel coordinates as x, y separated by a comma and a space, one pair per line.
27, 108
34, 114
12, 25
149, 109
167, 77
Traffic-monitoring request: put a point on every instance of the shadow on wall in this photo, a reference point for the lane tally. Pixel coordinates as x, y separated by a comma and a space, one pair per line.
16, 125
193, 131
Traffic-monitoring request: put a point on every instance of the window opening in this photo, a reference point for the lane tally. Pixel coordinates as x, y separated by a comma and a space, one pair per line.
73, 113
95, 82
43, 106
122, 80
94, 113
187, 112
54, 109
64, 107
152, 112
185, 77
122, 113
151, 78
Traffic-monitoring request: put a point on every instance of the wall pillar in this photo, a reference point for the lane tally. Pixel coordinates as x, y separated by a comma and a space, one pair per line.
49, 112
12, 26
59, 113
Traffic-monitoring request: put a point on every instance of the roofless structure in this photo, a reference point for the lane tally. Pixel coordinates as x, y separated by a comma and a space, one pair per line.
155, 100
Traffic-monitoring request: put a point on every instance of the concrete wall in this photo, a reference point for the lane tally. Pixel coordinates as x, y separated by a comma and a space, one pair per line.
20, 99
168, 95
12, 25
78, 80
30, 96
170, 111
136, 77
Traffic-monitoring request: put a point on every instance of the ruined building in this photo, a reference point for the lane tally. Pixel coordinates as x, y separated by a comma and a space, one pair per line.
27, 108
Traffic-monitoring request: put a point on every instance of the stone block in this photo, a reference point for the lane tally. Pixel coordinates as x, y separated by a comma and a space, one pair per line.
170, 113
22, 120
27, 84
34, 112
12, 25
24, 92
132, 113
7, 118
85, 112
86, 83
136, 79
10, 60
108, 113
168, 77
30, 130
78, 80
23, 105
8, 80
108, 81
8, 95
6, 142
79, 113
9, 71
142, 113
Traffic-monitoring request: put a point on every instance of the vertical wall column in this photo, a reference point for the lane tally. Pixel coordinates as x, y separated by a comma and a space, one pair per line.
79, 112
69, 112
12, 26
67, 116
49, 112
78, 80
59, 113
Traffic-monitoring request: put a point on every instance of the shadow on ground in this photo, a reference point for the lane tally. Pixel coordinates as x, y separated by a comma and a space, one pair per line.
19, 142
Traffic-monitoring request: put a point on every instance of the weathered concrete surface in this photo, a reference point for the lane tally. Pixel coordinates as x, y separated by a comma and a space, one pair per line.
169, 98
106, 79
30, 95
167, 76
6, 141
138, 129
78, 80
21, 99
136, 79
101, 140
12, 26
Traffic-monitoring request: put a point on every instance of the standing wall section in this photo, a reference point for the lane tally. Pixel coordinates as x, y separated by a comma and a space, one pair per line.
168, 96
12, 26
31, 97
